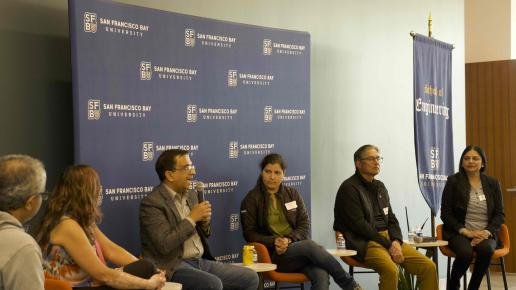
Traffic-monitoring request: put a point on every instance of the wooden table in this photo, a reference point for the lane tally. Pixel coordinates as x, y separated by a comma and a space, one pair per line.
259, 268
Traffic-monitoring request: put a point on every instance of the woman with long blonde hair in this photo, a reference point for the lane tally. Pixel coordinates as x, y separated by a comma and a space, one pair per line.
76, 250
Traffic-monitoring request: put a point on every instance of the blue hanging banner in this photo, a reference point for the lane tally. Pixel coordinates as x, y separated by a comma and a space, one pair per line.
433, 132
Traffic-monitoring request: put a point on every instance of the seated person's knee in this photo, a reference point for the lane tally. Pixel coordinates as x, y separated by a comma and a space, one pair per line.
464, 254
430, 266
213, 283
389, 270
484, 249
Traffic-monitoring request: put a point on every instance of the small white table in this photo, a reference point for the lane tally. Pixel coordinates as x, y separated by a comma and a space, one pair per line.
437, 243
430, 246
342, 252
259, 268
172, 286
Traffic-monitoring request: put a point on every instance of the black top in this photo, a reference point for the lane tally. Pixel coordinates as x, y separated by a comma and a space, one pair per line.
355, 215
455, 200
253, 213
379, 221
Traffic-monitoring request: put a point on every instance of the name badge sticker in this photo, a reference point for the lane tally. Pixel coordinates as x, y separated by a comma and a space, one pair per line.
291, 205
386, 210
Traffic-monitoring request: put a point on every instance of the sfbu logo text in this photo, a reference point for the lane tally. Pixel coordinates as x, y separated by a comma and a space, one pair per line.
234, 222
189, 37
93, 109
267, 114
232, 78
233, 149
191, 113
147, 151
267, 47
145, 70
90, 22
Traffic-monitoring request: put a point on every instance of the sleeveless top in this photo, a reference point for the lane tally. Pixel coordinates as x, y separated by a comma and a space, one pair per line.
58, 265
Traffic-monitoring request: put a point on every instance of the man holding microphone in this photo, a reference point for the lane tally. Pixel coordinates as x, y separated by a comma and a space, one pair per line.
174, 227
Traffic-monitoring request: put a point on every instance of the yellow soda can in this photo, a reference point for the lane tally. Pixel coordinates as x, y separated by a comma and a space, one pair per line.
247, 255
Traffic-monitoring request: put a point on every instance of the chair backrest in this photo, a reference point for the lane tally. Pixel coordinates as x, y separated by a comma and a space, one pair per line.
439, 232
51, 284
504, 237
263, 253
445, 250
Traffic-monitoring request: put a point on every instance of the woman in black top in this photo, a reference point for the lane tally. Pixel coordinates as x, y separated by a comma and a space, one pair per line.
472, 212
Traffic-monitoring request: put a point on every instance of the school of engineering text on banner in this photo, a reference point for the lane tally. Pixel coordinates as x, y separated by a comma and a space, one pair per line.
433, 117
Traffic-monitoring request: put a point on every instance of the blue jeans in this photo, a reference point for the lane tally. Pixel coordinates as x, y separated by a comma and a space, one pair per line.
207, 274
315, 262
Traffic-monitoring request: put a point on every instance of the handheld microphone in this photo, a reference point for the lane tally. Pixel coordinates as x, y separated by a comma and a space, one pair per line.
199, 188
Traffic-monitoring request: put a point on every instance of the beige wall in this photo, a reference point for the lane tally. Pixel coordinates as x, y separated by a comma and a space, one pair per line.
487, 30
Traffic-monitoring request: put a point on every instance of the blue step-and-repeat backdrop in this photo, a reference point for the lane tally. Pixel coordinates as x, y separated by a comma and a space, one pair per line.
146, 80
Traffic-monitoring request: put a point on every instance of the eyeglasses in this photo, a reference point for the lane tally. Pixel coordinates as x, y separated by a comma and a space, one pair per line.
471, 158
373, 158
44, 195
188, 167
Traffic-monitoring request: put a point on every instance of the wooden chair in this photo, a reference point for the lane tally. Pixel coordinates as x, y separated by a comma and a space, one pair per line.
277, 277
352, 263
51, 284
503, 236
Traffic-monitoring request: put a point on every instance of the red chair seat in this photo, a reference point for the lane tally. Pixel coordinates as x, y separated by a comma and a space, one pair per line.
503, 236
51, 284
264, 257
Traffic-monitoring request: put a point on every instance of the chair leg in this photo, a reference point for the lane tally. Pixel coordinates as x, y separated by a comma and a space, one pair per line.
504, 275
488, 277
351, 271
302, 286
276, 285
448, 270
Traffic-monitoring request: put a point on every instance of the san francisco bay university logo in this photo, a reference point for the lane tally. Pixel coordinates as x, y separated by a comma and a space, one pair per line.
267, 47
191, 113
232, 78
234, 222
93, 109
90, 22
145, 70
189, 37
147, 151
267, 114
233, 149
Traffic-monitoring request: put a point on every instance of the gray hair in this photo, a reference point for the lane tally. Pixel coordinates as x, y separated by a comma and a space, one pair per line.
20, 177
359, 154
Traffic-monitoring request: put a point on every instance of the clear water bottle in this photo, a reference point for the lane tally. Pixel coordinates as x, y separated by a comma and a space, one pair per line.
255, 255
341, 243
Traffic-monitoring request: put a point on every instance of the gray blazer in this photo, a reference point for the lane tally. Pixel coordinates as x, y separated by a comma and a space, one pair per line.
163, 231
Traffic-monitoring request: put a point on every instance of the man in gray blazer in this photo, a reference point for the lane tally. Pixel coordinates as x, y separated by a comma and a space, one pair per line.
174, 228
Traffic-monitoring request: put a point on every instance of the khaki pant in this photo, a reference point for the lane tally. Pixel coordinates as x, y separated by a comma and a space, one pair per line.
379, 259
